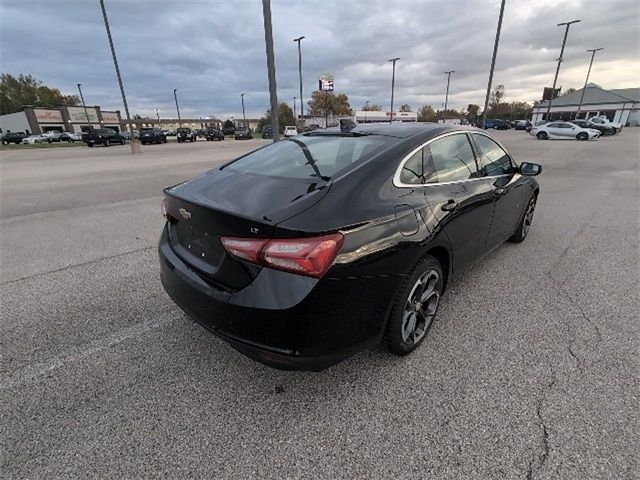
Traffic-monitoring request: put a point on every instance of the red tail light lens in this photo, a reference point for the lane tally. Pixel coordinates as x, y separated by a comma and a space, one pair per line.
244, 248
311, 256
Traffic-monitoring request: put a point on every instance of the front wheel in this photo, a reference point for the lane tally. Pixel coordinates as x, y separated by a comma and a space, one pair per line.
107, 142
582, 136
525, 222
542, 136
415, 307
122, 141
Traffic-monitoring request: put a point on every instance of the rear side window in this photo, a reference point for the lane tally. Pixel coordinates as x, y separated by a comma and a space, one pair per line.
309, 157
495, 161
451, 159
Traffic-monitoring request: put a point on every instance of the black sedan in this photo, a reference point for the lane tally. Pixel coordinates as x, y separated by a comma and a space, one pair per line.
307, 250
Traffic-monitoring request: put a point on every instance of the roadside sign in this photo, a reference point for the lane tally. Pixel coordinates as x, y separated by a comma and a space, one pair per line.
325, 83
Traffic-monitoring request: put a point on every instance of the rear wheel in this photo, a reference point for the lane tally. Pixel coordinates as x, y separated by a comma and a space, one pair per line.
121, 140
582, 136
525, 222
107, 142
542, 135
415, 307
90, 145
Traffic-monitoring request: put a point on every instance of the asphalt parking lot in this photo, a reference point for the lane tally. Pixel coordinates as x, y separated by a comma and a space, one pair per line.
531, 370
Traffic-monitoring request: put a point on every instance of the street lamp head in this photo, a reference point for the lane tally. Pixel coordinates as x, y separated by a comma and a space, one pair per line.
450, 72
79, 85
298, 39
175, 90
595, 49
568, 23
394, 59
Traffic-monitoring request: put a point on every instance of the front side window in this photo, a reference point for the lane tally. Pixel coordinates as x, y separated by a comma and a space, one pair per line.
494, 160
451, 159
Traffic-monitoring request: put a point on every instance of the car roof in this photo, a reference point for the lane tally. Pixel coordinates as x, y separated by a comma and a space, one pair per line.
398, 129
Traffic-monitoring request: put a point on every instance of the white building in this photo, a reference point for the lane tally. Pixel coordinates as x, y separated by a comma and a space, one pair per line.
63, 119
364, 116
618, 105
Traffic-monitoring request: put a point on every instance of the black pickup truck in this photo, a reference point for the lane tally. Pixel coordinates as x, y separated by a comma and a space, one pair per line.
102, 136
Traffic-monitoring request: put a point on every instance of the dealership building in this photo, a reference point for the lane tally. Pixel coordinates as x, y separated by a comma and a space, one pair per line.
33, 120
618, 105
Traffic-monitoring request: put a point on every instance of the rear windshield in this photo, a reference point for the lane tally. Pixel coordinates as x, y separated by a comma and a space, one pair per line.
310, 157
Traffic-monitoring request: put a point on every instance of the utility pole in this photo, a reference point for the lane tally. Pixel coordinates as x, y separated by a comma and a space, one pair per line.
446, 97
86, 113
393, 84
555, 79
175, 97
135, 145
299, 41
271, 68
493, 64
586, 80
294, 110
244, 117
158, 115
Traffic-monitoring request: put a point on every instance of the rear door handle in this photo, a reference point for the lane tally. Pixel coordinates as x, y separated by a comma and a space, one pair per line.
450, 206
498, 192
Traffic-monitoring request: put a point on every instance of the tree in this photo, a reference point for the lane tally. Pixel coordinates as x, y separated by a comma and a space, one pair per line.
228, 124
472, 112
426, 113
285, 117
328, 103
405, 108
27, 90
568, 91
372, 108
496, 96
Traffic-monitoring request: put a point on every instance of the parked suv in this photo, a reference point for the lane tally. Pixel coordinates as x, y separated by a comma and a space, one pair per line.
52, 136
267, 131
243, 133
102, 136
212, 134
13, 137
603, 129
604, 121
229, 130
152, 135
186, 135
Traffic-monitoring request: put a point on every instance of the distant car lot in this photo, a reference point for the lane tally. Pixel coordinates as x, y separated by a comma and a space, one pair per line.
530, 371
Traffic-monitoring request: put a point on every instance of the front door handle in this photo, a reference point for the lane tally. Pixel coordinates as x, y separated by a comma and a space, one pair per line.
498, 192
450, 206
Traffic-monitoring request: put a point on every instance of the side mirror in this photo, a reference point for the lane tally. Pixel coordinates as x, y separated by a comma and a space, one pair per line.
530, 169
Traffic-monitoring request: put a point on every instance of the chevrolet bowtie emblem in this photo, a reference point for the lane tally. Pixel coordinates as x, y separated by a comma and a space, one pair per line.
184, 213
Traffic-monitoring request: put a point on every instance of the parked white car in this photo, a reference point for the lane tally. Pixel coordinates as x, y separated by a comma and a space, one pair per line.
604, 122
563, 130
290, 131
34, 139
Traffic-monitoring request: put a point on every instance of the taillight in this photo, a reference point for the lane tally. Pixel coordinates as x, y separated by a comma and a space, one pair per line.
311, 256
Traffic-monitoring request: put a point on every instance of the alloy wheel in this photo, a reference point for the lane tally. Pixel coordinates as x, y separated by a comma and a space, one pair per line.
420, 308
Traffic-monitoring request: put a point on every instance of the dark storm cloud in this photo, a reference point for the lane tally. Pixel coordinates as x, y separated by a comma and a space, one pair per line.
211, 51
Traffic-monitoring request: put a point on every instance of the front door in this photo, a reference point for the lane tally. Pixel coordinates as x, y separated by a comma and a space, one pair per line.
497, 168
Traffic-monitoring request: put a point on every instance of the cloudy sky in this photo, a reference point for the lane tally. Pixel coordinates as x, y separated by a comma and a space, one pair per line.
211, 50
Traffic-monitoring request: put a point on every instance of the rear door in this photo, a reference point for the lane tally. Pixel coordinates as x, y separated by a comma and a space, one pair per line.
509, 196
459, 198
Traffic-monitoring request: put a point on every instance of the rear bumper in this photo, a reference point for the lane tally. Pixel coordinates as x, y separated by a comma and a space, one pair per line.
283, 320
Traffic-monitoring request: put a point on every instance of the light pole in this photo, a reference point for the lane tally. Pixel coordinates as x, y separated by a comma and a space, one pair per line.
86, 113
586, 80
158, 115
175, 96
135, 146
271, 68
446, 97
244, 118
493, 64
555, 79
393, 84
294, 110
299, 40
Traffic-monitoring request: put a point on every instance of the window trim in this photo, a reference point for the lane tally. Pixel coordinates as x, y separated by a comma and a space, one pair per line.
396, 176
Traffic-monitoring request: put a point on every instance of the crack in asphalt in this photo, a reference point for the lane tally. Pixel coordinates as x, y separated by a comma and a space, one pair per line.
544, 455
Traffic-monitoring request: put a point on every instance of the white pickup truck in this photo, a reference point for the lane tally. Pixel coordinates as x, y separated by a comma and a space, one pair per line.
290, 131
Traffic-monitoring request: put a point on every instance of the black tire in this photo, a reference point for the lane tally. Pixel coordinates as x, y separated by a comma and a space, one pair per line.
49, 141
426, 273
122, 141
90, 145
582, 136
107, 142
525, 222
542, 135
